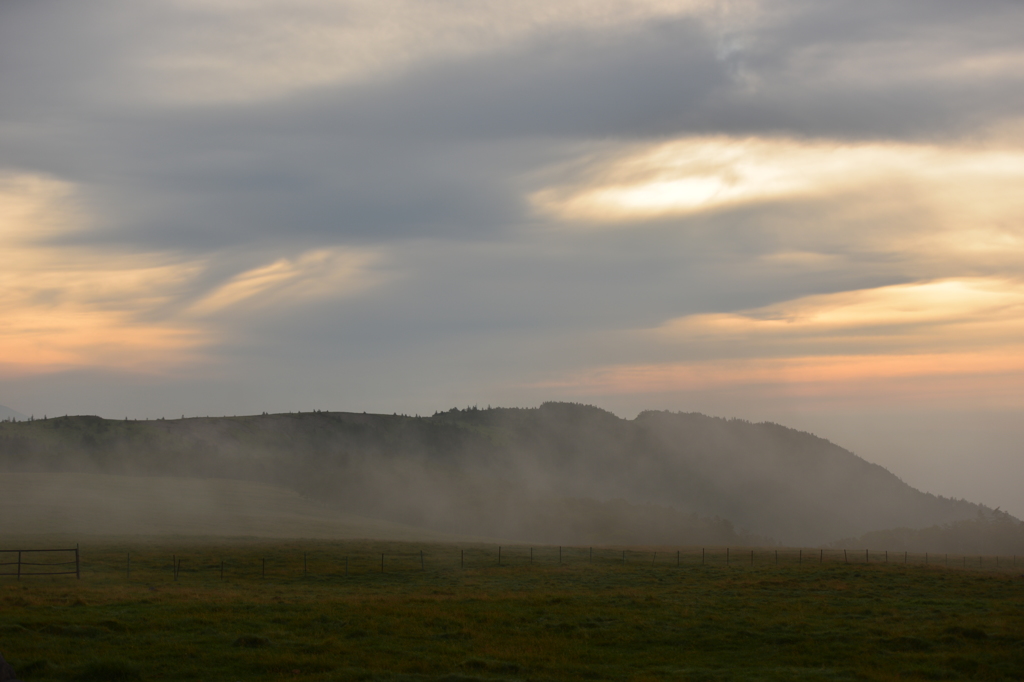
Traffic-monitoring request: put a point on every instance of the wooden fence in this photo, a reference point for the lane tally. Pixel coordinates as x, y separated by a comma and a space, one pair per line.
344, 563
32, 568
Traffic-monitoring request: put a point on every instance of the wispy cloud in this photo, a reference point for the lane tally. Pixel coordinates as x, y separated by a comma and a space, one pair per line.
78, 307
950, 314
701, 174
67, 306
318, 274
883, 343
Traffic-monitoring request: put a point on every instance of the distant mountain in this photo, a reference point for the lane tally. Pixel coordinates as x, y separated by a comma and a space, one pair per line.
8, 413
558, 473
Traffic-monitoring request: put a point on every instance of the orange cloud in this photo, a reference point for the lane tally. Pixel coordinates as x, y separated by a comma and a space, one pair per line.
961, 339
71, 306
944, 314
66, 307
971, 191
314, 274
795, 371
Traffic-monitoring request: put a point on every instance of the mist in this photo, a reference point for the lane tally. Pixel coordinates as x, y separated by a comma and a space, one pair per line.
562, 473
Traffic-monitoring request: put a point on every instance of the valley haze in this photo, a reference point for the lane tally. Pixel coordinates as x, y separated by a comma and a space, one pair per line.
563, 473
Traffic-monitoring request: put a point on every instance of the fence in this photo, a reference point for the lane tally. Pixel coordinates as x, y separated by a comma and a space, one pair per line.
339, 562
30, 568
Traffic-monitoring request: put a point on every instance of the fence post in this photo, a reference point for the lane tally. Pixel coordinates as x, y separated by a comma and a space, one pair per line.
19, 564
821, 556
846, 559
78, 564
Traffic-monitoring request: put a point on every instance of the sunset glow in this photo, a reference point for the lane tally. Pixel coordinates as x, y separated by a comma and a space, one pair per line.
703, 174
750, 209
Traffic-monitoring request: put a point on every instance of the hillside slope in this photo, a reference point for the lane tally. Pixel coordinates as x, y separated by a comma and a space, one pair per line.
558, 473
7, 413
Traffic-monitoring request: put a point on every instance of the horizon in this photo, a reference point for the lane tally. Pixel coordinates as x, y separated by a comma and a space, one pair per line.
806, 214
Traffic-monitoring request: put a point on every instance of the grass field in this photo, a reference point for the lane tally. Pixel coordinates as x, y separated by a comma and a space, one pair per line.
641, 618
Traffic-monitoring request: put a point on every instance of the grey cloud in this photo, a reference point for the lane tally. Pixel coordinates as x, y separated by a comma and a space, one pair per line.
444, 150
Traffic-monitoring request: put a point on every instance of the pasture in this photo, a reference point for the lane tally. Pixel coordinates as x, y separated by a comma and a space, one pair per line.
249, 609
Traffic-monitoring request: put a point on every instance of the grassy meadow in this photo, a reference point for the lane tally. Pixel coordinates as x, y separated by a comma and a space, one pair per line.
289, 610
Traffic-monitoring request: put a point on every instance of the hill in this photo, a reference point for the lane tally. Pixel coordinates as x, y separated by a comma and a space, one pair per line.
557, 473
7, 413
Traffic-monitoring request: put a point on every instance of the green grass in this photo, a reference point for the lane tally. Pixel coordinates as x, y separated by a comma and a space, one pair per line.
638, 620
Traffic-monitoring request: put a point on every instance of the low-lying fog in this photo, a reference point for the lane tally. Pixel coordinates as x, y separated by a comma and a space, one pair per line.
561, 473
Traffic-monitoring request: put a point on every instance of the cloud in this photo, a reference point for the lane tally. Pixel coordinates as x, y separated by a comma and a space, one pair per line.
964, 313
71, 307
200, 127
324, 273
898, 342
207, 54
691, 175
66, 307
400, 175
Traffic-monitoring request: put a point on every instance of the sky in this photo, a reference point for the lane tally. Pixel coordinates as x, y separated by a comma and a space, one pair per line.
806, 212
